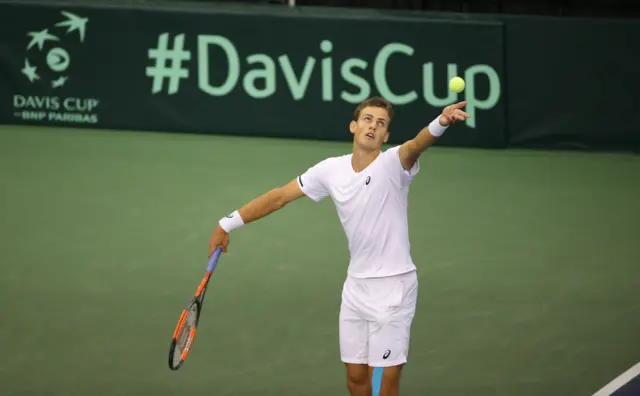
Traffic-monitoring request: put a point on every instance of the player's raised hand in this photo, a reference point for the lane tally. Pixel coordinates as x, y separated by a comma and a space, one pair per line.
219, 238
453, 113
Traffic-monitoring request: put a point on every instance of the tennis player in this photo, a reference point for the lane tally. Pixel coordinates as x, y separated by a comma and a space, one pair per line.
369, 188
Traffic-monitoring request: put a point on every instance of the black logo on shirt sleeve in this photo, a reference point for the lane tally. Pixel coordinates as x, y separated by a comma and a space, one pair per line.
386, 354
368, 180
300, 180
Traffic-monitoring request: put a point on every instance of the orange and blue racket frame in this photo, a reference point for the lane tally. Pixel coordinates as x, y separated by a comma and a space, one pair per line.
185, 331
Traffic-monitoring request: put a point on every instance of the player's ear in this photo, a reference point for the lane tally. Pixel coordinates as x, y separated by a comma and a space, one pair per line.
352, 126
386, 136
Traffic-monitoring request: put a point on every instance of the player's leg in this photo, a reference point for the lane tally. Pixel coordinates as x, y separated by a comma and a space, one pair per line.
389, 335
354, 332
359, 379
390, 384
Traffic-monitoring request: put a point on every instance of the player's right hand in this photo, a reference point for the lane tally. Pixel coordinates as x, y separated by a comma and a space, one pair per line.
219, 238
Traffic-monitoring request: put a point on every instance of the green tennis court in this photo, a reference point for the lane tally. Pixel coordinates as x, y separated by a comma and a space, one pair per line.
528, 267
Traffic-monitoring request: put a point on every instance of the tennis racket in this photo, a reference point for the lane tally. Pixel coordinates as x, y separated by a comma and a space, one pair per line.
185, 331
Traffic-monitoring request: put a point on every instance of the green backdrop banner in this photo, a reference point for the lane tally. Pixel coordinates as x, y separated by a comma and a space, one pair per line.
572, 83
222, 71
299, 72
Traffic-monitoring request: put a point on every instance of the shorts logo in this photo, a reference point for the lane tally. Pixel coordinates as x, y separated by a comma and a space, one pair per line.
368, 180
386, 354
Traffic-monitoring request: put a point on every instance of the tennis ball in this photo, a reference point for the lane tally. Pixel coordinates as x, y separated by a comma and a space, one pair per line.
456, 84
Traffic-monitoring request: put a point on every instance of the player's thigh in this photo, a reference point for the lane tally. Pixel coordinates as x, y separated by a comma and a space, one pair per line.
389, 336
389, 343
353, 333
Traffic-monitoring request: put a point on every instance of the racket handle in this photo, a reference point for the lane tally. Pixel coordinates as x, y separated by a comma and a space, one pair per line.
213, 260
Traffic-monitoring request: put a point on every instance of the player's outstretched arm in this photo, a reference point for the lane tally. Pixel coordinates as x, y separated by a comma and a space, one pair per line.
256, 209
411, 150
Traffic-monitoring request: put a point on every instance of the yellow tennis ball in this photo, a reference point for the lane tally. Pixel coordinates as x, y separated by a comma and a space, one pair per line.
456, 84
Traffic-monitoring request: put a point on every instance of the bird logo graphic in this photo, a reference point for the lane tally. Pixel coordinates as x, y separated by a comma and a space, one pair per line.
47, 42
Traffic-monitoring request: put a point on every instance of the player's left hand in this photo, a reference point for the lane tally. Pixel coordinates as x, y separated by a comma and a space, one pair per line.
453, 113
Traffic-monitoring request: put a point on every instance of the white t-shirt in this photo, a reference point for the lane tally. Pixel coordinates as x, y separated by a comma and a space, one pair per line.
372, 206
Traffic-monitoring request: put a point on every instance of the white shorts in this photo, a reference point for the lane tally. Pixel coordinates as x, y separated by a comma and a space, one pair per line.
375, 319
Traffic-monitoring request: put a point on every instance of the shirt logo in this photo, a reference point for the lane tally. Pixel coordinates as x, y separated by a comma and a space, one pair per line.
386, 354
368, 180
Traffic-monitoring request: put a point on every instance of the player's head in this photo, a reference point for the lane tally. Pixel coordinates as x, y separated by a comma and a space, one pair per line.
370, 123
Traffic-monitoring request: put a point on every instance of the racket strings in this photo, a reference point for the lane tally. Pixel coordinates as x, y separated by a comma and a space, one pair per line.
185, 335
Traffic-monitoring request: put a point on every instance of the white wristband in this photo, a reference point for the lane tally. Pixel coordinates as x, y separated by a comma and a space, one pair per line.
436, 129
231, 222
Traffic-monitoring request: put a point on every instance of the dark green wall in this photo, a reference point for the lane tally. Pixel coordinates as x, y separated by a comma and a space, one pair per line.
531, 82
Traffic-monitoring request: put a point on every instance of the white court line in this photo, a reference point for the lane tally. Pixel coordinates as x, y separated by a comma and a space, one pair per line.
619, 382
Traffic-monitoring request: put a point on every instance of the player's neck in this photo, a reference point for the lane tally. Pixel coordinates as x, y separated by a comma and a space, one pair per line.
361, 159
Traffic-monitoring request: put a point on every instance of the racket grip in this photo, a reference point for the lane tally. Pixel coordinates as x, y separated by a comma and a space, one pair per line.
213, 260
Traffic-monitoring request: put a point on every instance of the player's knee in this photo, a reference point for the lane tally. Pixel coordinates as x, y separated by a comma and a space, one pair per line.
391, 375
357, 379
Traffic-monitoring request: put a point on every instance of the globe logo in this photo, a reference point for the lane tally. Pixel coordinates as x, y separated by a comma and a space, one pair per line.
57, 59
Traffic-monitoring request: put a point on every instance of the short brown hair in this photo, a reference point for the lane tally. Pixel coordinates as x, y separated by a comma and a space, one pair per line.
377, 101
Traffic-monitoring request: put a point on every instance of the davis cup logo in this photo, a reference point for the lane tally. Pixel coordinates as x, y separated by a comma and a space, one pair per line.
57, 59
48, 61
